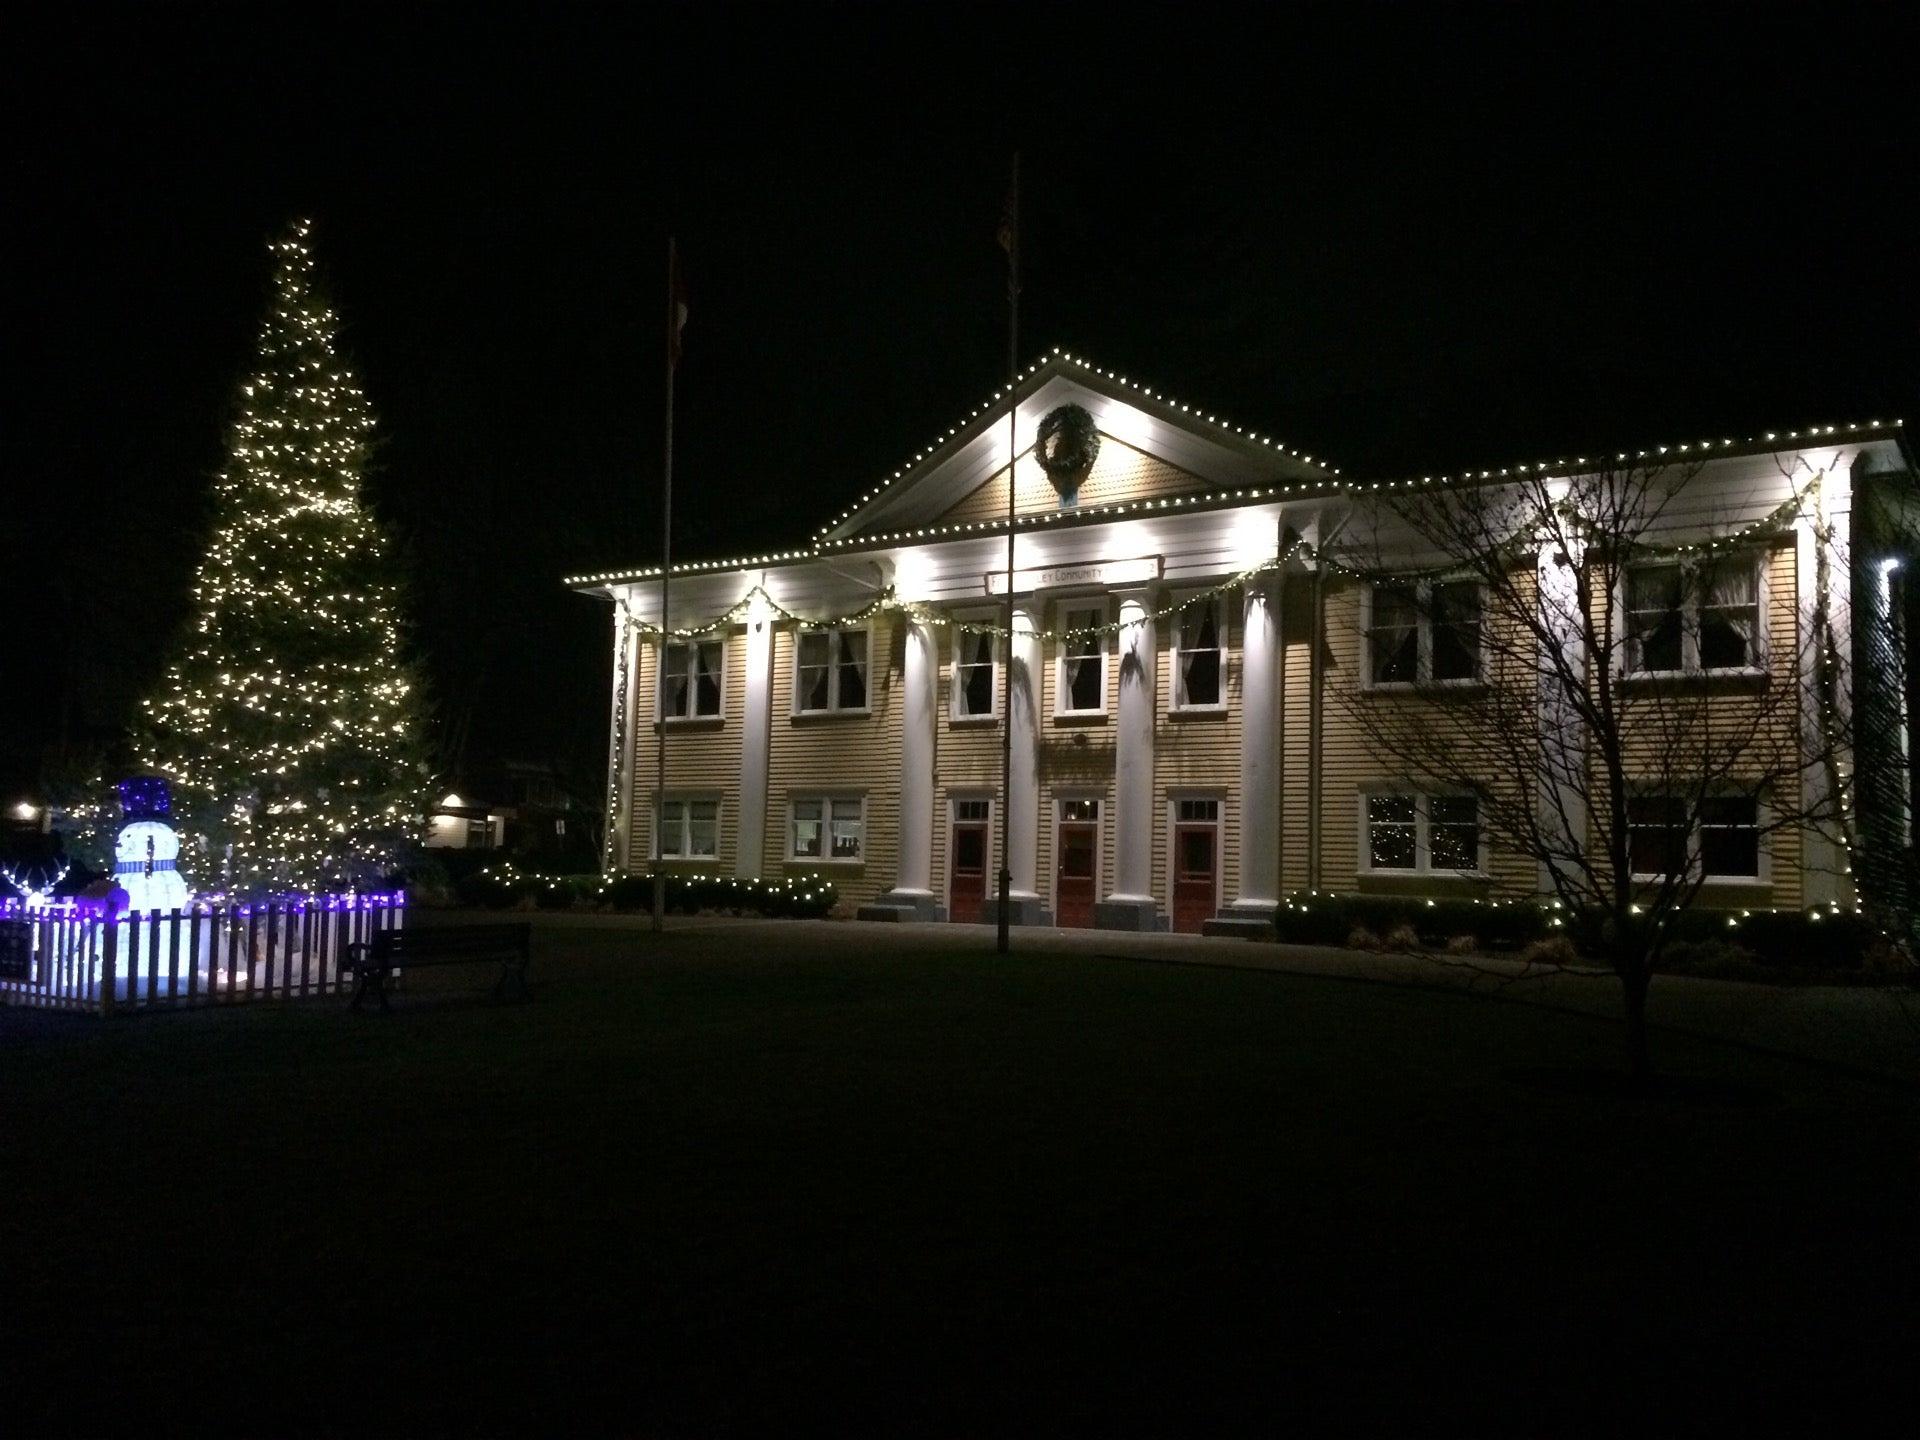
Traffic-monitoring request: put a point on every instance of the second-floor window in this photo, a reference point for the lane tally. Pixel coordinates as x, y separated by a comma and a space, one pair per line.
1427, 630
1083, 659
690, 681
830, 672
973, 677
1198, 655
1688, 619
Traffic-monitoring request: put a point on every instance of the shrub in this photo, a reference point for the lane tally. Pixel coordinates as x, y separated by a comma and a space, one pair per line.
1305, 919
1361, 938
1462, 945
1552, 950
1403, 937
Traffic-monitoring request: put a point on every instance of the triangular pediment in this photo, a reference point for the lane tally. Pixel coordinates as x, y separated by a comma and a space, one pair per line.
1121, 473
1151, 446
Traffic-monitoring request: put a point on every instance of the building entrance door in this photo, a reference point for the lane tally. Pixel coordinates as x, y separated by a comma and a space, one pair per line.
1076, 863
1196, 863
967, 873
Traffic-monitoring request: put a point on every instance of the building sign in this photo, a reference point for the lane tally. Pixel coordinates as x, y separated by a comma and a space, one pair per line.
1098, 574
16, 950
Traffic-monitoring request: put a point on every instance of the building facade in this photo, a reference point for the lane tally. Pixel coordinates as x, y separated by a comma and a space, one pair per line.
1190, 631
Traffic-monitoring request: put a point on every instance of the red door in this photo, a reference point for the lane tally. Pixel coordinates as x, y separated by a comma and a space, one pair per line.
1196, 860
1073, 880
967, 882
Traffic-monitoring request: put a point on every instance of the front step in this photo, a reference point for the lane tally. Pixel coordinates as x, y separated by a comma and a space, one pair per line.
1243, 927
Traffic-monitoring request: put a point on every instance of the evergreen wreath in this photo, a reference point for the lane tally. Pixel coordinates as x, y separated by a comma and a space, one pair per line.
1067, 444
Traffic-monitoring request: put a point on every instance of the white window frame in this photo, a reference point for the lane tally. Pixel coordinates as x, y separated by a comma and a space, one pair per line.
827, 800
1177, 703
660, 715
1064, 608
1762, 824
833, 672
1423, 867
1690, 607
683, 799
998, 650
1423, 632
1219, 800
954, 802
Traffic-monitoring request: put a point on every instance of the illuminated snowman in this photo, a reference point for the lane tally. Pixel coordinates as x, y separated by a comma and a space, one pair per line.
146, 857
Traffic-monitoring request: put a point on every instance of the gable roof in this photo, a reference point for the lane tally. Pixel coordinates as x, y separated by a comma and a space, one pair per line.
1181, 438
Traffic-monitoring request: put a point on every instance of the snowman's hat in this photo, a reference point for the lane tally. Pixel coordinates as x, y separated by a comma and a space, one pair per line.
145, 797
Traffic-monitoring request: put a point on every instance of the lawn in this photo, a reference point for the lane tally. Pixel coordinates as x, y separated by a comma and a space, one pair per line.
766, 1178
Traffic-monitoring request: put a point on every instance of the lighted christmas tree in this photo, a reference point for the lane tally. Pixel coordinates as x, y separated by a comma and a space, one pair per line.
288, 718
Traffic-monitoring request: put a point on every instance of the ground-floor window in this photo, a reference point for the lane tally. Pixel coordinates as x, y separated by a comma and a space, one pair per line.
1663, 832
828, 827
689, 829
1411, 831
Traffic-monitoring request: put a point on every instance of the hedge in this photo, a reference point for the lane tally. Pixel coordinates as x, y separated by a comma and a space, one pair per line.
1799, 939
503, 887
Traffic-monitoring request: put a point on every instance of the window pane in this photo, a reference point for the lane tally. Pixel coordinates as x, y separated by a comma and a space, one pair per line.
1390, 831
1395, 634
1730, 836
810, 682
703, 828
1654, 617
1080, 810
1199, 654
1456, 631
707, 678
1198, 810
806, 828
846, 828
672, 817
1453, 832
1729, 614
673, 682
853, 670
1656, 834
971, 809
1084, 667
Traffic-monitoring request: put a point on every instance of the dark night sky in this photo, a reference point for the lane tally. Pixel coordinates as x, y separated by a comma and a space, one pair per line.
1404, 239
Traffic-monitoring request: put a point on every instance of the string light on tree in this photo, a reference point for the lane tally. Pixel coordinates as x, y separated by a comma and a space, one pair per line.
288, 718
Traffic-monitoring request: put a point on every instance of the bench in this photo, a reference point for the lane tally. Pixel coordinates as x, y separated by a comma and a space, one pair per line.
374, 961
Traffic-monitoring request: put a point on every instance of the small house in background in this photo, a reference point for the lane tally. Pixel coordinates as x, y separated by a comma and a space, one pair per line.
467, 822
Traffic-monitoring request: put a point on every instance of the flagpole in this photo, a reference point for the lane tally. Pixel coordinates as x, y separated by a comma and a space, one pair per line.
1003, 939
666, 576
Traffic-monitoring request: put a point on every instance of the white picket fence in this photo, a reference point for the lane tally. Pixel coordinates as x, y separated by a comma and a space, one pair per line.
70, 956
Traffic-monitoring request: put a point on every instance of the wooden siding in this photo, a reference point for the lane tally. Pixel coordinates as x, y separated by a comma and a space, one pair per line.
703, 758
1120, 473
830, 754
966, 764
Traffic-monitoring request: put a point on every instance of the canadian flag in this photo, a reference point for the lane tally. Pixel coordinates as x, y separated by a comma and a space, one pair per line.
676, 303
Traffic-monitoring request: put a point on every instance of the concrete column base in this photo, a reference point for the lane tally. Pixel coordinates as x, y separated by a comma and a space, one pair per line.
1023, 910
903, 905
1122, 914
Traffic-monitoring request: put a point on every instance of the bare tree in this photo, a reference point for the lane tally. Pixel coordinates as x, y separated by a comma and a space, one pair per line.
1628, 691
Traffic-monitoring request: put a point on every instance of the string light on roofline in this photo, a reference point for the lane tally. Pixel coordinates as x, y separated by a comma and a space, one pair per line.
1255, 494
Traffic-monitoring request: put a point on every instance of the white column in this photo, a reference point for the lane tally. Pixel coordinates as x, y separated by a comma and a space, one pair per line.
1131, 906
1023, 800
919, 678
1260, 681
912, 895
756, 739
